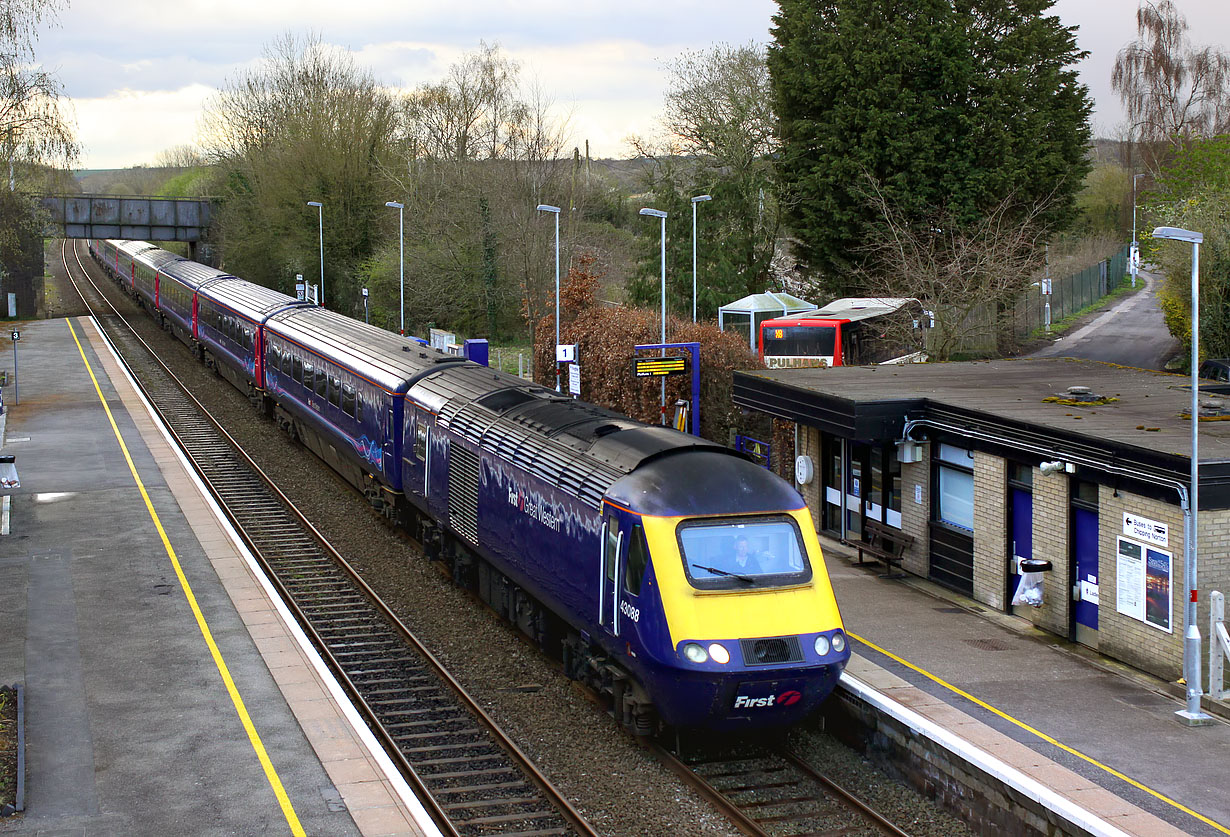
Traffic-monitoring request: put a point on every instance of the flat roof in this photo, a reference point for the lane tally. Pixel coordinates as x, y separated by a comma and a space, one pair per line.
1145, 425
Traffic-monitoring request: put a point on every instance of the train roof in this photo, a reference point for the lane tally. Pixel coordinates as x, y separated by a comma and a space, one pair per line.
708, 482
183, 270
387, 359
580, 447
256, 302
195, 274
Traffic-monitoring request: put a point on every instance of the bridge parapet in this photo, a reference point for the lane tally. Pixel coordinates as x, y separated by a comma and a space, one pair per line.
142, 218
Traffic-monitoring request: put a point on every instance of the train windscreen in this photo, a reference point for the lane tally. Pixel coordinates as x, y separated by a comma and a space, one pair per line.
721, 554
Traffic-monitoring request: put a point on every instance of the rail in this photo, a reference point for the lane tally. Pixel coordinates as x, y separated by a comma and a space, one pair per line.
1219, 646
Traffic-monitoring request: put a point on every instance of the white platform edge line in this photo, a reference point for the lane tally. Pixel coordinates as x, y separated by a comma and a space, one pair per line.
984, 761
377, 753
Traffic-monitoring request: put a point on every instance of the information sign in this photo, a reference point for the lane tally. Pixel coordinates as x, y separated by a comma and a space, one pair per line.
656, 367
1144, 529
574, 379
1143, 584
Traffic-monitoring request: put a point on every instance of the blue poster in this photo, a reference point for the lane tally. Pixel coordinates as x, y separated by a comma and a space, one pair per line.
1157, 589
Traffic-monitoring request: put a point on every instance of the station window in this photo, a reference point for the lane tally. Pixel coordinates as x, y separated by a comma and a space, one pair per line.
954, 478
348, 399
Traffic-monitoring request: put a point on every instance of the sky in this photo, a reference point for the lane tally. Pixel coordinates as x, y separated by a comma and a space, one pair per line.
138, 73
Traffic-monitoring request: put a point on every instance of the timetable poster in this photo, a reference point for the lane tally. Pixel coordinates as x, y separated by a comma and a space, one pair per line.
1130, 579
1157, 588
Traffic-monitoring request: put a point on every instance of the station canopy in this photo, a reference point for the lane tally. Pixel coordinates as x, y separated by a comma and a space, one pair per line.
749, 312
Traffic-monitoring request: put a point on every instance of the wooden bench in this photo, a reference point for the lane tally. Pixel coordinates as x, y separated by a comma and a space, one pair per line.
885, 544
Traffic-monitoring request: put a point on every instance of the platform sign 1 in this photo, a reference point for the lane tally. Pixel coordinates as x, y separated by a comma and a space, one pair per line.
657, 367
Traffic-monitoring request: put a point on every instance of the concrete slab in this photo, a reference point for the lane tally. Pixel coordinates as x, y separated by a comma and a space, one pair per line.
130, 727
1037, 704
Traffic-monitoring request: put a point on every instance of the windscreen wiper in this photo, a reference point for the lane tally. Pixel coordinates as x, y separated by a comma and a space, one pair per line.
716, 571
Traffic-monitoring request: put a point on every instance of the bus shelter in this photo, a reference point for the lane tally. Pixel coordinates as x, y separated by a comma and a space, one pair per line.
754, 309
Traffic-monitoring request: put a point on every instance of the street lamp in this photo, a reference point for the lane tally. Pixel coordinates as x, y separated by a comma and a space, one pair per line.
401, 236
1192, 715
320, 217
1135, 243
657, 213
695, 201
543, 207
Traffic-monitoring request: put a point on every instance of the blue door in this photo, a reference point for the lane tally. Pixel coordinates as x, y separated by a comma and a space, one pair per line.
1020, 536
1085, 585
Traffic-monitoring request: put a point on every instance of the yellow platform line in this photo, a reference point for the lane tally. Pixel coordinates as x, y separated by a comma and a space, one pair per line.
1048, 739
254, 738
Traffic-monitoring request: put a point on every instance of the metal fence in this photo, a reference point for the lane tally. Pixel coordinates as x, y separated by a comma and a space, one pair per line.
1069, 295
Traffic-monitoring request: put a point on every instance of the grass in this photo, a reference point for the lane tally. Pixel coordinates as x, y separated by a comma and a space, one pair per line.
1058, 327
8, 746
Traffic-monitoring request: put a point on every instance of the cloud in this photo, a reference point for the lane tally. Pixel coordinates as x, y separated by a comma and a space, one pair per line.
129, 127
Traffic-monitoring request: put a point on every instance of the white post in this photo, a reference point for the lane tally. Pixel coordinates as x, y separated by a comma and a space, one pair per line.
1219, 645
657, 213
554, 210
320, 210
401, 259
695, 201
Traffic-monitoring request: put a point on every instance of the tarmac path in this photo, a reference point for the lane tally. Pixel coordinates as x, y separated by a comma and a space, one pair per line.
1130, 332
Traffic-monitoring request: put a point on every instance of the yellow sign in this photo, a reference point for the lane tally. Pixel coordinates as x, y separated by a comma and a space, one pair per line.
777, 332
656, 367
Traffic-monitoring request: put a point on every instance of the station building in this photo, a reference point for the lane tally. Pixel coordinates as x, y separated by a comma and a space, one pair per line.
986, 463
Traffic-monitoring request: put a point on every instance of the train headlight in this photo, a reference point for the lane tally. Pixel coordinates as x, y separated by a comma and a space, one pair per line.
822, 645
719, 653
695, 653
839, 642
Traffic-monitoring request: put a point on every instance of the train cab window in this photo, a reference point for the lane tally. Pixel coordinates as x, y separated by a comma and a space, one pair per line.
734, 554
638, 560
297, 369
322, 383
611, 554
335, 392
348, 399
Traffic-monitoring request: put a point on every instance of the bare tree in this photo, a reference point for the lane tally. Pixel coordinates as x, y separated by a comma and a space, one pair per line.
1172, 90
967, 276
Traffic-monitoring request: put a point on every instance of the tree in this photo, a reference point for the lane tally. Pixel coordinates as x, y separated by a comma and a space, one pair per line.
719, 123
1172, 90
951, 107
306, 124
1193, 192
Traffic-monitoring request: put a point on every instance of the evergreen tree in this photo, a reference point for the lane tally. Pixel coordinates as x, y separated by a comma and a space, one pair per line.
941, 108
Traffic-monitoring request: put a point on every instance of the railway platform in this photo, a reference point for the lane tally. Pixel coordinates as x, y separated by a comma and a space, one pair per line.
1100, 735
166, 692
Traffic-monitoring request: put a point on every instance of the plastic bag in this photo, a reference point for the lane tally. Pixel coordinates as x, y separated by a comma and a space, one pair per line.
1029, 590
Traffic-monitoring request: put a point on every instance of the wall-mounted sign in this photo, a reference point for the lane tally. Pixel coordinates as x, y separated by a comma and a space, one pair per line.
1144, 529
1143, 584
656, 367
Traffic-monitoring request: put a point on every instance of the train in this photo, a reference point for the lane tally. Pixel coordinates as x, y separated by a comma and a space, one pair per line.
677, 579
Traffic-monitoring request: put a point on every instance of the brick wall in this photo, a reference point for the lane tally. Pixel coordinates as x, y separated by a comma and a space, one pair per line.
915, 515
990, 529
1050, 542
809, 445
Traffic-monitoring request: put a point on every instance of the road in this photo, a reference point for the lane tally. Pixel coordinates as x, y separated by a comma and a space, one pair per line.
1130, 332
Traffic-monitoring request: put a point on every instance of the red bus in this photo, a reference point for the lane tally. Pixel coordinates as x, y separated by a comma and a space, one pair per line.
846, 332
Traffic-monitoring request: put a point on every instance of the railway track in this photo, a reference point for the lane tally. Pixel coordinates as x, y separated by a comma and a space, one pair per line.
472, 778
770, 792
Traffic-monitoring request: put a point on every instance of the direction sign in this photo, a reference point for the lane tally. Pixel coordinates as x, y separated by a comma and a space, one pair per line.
657, 367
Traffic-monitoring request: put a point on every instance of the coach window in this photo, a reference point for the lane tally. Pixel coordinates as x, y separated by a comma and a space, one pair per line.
322, 382
638, 559
308, 376
420, 436
358, 407
287, 364
348, 399
297, 374
335, 392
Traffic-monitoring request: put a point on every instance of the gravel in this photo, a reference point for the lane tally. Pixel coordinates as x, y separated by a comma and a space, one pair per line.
615, 783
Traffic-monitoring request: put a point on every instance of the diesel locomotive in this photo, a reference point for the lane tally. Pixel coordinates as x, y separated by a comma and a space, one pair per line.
679, 580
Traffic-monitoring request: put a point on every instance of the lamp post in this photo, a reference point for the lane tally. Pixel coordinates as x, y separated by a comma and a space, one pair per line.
401, 259
320, 217
695, 201
554, 210
1192, 715
657, 213
1135, 244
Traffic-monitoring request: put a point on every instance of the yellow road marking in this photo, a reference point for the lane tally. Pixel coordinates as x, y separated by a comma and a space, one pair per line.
253, 737
1048, 739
